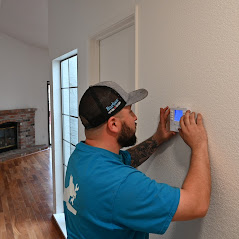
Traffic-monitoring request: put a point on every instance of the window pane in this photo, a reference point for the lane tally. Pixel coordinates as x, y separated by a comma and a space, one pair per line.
65, 168
65, 101
69, 107
73, 102
72, 148
66, 152
73, 71
66, 127
64, 74
74, 130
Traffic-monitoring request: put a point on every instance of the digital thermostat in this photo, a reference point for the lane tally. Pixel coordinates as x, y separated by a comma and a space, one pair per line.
175, 116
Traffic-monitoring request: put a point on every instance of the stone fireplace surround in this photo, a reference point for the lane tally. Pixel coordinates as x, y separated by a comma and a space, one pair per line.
26, 132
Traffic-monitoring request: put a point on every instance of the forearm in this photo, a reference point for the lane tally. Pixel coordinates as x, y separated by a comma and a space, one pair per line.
198, 179
196, 189
141, 152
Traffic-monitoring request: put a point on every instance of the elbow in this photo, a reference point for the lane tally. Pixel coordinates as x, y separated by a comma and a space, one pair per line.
202, 210
191, 206
202, 213
202, 204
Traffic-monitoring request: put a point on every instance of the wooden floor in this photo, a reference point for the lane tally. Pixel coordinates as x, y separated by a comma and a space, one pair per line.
26, 198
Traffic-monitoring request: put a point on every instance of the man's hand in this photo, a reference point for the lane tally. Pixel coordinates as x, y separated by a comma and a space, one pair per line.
162, 134
193, 132
141, 152
196, 189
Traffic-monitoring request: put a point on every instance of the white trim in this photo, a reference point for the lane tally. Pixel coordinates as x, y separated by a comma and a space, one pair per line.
94, 42
136, 53
67, 55
94, 61
60, 220
57, 159
117, 27
57, 166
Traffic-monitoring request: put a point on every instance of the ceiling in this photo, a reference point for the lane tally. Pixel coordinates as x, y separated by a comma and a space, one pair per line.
25, 20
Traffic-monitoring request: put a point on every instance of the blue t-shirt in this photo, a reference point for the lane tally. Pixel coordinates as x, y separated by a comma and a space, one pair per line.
106, 198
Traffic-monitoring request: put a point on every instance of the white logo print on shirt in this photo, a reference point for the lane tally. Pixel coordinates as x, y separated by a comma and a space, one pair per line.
70, 193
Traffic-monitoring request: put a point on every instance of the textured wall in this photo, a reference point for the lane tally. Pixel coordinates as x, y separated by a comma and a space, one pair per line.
73, 23
188, 57
24, 74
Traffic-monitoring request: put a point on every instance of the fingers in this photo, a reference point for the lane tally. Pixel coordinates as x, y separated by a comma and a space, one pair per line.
161, 114
165, 108
186, 118
192, 118
199, 119
164, 112
182, 124
167, 113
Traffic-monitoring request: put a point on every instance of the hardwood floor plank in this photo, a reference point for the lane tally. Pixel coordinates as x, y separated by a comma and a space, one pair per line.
1, 209
26, 198
16, 231
2, 223
9, 230
4, 235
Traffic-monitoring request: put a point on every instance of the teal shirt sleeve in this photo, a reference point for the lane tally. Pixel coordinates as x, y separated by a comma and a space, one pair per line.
142, 204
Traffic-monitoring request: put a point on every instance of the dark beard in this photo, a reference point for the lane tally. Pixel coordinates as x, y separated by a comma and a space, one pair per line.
126, 137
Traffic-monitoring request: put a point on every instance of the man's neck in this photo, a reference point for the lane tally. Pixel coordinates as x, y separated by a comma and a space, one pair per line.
110, 146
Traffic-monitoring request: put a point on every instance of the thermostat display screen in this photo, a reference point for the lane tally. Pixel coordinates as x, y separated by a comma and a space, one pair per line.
178, 114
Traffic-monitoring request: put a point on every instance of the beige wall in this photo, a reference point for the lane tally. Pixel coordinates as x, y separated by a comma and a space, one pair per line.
24, 71
73, 23
188, 56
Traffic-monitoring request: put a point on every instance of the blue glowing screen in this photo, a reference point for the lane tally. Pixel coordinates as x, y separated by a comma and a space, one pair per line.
178, 114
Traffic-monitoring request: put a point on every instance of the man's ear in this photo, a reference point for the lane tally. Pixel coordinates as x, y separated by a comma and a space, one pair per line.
114, 124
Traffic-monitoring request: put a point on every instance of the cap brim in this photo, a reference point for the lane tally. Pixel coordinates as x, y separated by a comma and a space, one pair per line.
136, 96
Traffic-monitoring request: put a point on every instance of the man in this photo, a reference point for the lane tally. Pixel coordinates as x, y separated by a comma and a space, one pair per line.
105, 196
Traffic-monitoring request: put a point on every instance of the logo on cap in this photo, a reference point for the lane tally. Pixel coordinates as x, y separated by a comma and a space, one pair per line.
114, 105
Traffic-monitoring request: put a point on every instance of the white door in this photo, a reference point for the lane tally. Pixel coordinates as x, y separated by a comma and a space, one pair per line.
117, 58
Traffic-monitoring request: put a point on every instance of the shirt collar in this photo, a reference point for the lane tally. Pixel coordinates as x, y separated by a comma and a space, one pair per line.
85, 147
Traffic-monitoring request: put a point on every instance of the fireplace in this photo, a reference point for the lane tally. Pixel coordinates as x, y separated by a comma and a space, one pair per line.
8, 136
17, 133
25, 120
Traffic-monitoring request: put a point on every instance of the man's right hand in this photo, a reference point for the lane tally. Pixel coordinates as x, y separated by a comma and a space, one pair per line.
196, 189
193, 132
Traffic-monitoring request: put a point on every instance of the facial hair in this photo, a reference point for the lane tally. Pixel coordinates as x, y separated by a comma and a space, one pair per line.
127, 136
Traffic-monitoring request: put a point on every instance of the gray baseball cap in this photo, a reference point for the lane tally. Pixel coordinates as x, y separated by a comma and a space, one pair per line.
105, 99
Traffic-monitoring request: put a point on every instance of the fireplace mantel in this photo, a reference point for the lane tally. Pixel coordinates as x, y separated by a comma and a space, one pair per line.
16, 111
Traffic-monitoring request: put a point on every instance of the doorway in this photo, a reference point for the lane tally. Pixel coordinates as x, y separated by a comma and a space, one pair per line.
117, 58
49, 110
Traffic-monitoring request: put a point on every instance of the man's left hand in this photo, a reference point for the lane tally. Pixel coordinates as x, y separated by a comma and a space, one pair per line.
162, 134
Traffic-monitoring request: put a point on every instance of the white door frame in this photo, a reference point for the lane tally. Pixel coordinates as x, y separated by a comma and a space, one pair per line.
94, 58
94, 47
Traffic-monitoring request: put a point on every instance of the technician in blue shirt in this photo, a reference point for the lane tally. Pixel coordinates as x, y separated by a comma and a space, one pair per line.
105, 196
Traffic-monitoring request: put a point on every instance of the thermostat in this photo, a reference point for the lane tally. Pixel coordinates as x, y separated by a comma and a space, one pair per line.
175, 116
